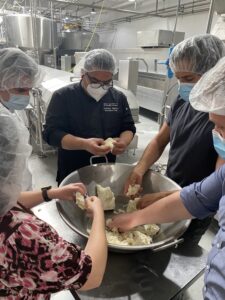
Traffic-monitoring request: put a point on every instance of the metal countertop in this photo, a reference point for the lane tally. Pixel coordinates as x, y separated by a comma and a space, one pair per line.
141, 275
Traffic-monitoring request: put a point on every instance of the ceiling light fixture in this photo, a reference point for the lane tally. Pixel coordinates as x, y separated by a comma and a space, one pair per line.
131, 0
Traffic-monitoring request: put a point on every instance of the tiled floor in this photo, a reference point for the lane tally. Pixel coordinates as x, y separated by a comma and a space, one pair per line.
44, 172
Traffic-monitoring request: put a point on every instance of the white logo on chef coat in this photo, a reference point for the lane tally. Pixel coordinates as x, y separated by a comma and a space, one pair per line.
110, 107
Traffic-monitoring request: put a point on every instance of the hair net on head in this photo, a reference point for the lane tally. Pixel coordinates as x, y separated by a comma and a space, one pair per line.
96, 60
208, 94
17, 70
14, 152
197, 54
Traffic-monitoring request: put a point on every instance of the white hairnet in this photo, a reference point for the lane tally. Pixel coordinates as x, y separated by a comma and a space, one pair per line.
96, 60
17, 70
197, 54
14, 151
208, 94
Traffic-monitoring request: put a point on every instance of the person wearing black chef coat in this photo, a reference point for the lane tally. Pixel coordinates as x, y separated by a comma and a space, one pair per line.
82, 115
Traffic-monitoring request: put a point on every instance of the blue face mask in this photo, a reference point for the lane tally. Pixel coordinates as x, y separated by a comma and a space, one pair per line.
184, 90
219, 144
16, 102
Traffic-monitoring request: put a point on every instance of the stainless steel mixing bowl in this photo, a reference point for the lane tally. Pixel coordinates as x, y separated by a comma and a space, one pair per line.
115, 175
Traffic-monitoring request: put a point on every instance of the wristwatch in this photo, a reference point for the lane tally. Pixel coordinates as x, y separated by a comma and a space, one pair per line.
45, 194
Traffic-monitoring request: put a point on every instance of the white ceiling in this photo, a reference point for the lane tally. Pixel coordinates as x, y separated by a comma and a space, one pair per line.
113, 10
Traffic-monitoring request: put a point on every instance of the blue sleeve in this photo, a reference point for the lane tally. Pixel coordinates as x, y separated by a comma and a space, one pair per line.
202, 199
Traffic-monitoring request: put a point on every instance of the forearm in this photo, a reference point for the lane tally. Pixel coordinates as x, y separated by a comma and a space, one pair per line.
97, 249
151, 154
166, 210
127, 136
32, 198
149, 199
71, 142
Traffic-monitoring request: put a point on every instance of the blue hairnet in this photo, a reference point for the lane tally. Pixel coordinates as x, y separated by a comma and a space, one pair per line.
197, 54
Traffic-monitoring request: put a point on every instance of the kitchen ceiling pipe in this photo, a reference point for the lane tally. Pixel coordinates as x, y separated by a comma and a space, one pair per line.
210, 17
168, 10
77, 3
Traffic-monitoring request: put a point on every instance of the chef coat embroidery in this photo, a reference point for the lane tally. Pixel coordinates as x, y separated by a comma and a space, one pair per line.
110, 107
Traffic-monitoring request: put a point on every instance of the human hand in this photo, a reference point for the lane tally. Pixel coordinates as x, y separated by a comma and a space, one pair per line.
119, 146
96, 146
93, 206
135, 177
67, 192
122, 222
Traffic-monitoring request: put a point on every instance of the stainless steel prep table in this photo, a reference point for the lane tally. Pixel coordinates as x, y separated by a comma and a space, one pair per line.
142, 275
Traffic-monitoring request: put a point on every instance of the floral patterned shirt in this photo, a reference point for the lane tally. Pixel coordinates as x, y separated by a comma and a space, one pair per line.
35, 261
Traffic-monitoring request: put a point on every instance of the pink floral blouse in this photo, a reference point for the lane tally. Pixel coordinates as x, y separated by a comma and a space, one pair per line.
35, 261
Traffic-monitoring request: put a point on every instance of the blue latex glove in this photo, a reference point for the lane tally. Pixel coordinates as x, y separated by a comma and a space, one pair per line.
169, 71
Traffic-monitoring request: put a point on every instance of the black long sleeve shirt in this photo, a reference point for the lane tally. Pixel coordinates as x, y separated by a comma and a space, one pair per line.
73, 111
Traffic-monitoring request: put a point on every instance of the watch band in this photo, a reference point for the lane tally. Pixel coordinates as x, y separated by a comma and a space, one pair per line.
45, 194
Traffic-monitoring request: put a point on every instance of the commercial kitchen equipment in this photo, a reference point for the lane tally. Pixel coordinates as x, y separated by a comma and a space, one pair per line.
31, 32
128, 74
140, 275
152, 82
66, 63
114, 176
78, 39
19, 31
159, 38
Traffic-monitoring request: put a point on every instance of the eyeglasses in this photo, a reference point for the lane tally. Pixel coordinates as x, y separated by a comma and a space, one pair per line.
95, 83
21, 90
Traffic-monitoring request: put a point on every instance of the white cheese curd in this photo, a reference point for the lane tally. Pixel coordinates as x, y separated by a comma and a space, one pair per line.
80, 200
140, 235
109, 142
132, 205
106, 196
133, 190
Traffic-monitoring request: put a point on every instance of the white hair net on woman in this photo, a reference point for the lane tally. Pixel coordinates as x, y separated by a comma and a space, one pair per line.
208, 94
197, 54
17, 70
14, 152
96, 60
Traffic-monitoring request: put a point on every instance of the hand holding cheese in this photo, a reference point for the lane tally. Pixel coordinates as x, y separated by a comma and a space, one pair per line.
109, 143
133, 190
80, 200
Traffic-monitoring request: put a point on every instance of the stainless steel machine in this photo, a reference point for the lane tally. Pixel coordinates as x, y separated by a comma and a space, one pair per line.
78, 39
151, 91
49, 39
158, 38
31, 32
